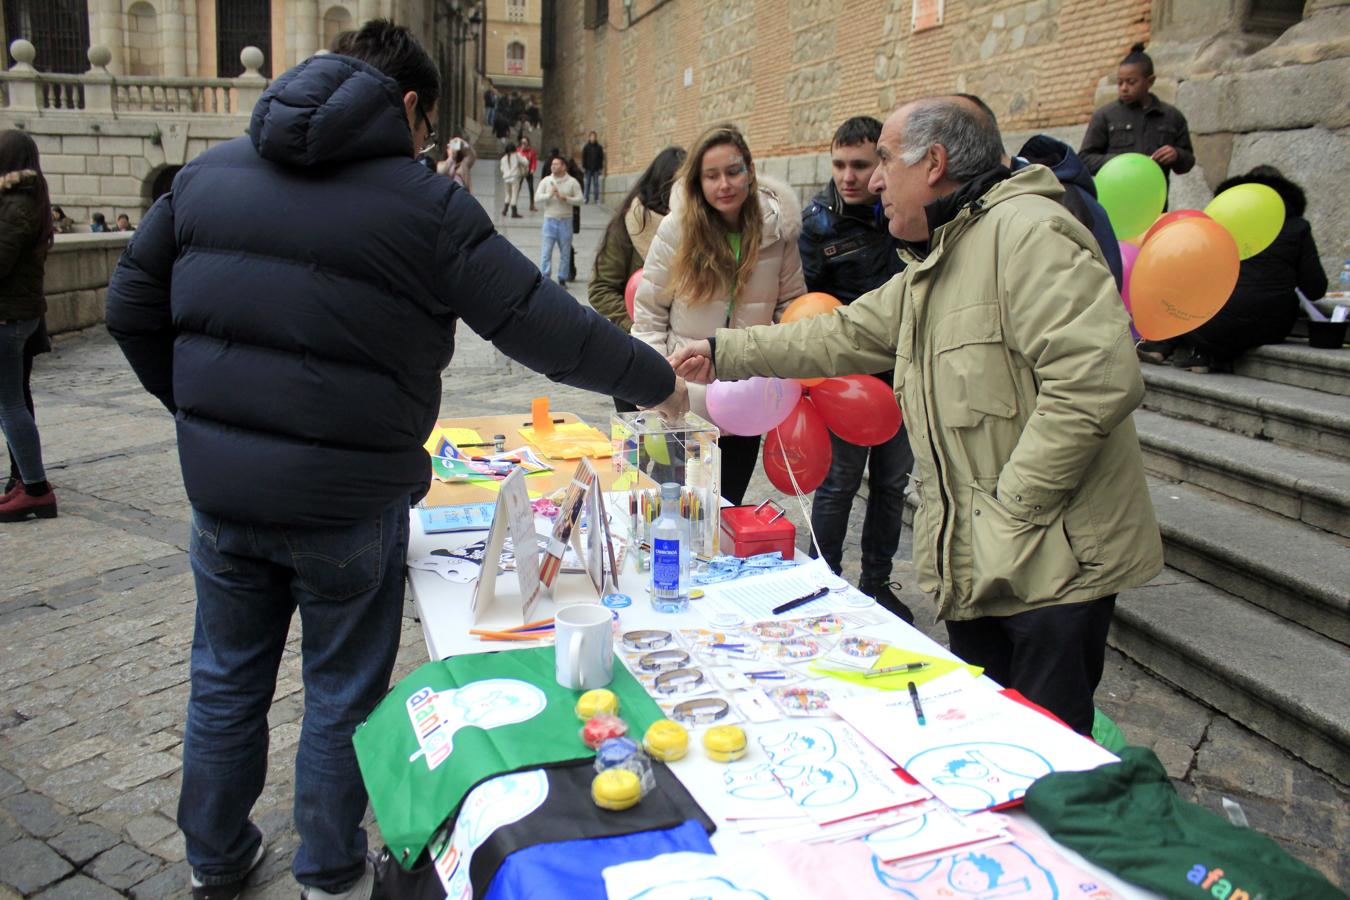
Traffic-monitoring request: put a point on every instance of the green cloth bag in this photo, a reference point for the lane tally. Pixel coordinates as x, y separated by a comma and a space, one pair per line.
1127, 818
459, 721
1107, 733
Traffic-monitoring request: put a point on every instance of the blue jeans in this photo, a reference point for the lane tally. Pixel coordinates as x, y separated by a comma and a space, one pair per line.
15, 420
347, 582
592, 186
888, 466
556, 232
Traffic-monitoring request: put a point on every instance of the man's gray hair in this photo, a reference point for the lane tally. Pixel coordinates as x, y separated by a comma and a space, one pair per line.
972, 141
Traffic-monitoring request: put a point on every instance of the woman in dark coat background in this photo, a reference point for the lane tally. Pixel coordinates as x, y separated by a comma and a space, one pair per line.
25, 238
1264, 305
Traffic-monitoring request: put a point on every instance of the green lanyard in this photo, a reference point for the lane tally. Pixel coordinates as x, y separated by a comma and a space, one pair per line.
734, 238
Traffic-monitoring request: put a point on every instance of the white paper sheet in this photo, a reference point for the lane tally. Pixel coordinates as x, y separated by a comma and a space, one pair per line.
681, 876
977, 749
754, 598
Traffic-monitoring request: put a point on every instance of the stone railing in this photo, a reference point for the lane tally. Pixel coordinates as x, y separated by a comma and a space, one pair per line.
23, 88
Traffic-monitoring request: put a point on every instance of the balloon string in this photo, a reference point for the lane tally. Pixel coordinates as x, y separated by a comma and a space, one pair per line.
801, 497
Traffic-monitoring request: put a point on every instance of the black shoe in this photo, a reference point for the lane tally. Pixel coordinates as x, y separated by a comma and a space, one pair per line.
881, 592
515, 215
506, 209
232, 889
562, 283
1194, 361
1156, 352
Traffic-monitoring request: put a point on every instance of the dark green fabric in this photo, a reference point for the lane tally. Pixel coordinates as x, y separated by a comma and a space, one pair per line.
1107, 733
1127, 818
411, 796
614, 265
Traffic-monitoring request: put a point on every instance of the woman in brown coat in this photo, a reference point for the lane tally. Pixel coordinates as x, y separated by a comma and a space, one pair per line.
25, 237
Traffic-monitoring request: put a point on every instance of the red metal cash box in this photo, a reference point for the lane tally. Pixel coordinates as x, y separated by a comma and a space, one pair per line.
747, 530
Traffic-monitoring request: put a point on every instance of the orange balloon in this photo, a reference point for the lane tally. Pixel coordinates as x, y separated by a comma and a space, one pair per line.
810, 382
808, 305
1166, 219
1183, 276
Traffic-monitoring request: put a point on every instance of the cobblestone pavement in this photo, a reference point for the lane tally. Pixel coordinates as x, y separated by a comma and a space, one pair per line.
96, 611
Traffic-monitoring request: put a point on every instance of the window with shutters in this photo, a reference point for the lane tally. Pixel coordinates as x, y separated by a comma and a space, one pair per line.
515, 58
240, 24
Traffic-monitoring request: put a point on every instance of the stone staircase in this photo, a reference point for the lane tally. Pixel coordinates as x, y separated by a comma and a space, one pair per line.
1250, 477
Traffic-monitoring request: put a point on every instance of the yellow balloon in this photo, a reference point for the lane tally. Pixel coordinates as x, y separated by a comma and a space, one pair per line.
1253, 215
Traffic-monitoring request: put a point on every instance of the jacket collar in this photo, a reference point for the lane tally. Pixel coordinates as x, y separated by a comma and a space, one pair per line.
869, 214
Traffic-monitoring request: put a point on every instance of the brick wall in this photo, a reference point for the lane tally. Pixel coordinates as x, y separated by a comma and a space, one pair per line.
788, 71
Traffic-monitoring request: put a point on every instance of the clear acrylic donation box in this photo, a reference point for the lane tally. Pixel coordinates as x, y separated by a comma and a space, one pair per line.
649, 451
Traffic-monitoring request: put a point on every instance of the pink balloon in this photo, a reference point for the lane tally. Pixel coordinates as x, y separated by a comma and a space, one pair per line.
630, 290
752, 406
1128, 254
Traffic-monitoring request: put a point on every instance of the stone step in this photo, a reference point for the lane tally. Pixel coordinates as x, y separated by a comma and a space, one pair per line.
1287, 414
1272, 675
1309, 487
1283, 566
1297, 364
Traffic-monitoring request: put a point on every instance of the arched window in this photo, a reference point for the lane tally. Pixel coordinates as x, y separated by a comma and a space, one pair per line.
335, 21
58, 28
515, 58
240, 24
142, 35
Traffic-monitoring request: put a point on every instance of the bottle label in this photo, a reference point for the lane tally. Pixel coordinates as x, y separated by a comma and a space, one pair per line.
666, 565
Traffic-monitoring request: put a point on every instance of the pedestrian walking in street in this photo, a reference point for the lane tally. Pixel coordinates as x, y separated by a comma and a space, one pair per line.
526, 149
627, 239
303, 367
593, 164
26, 226
847, 250
725, 257
1138, 122
513, 168
1016, 376
559, 194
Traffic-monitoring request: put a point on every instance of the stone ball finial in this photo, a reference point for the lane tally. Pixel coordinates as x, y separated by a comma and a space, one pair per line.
99, 56
23, 52
252, 58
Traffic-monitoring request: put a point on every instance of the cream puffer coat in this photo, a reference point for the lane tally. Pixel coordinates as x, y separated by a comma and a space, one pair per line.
667, 322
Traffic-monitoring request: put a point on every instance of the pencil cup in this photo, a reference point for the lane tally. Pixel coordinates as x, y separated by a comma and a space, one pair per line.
583, 647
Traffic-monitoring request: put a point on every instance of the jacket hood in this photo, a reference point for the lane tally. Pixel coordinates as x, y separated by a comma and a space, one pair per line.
1060, 158
778, 202
330, 109
641, 224
18, 180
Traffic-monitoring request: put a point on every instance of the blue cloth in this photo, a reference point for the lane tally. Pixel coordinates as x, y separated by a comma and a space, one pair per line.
571, 870
16, 421
888, 466
1080, 193
347, 583
556, 233
294, 300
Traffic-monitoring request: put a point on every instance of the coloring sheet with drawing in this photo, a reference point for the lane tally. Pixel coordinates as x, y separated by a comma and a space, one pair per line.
978, 749
706, 876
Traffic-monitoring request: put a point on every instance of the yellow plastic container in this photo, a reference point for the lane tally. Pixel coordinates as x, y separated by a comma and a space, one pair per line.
666, 740
594, 703
616, 789
724, 743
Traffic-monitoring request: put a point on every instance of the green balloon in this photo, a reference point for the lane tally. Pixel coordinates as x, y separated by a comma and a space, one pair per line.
1133, 190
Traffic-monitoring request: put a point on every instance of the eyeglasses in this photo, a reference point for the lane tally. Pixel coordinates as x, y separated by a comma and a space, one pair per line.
431, 132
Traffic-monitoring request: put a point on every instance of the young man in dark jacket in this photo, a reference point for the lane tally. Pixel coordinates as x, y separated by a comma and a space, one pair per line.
303, 367
847, 251
593, 162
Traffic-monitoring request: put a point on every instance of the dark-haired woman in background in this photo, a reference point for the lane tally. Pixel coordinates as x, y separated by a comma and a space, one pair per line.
1138, 122
1264, 304
628, 238
25, 237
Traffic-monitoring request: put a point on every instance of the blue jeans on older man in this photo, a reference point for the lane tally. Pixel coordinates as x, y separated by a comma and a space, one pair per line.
557, 232
347, 582
888, 466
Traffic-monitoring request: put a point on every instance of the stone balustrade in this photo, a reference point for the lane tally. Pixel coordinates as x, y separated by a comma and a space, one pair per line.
24, 89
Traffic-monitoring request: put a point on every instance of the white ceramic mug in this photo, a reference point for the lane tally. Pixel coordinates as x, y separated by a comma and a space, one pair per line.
583, 646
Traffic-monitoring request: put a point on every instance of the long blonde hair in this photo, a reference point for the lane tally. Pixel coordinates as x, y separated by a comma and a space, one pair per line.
704, 263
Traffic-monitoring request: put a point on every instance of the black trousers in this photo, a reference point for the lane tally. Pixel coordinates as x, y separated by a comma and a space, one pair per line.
1053, 656
739, 455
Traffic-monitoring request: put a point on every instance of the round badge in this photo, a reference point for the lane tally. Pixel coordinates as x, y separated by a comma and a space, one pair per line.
726, 620
616, 601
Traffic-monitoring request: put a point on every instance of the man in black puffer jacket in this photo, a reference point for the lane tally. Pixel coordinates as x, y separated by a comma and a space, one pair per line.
303, 366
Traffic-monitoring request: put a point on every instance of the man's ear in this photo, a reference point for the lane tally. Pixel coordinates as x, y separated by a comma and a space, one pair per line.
410, 106
1148, 82
937, 164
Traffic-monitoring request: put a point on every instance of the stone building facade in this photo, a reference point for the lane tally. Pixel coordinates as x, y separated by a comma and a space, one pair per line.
788, 71
511, 58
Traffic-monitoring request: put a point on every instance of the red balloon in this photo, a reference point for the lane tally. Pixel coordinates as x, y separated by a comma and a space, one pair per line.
630, 290
1168, 218
805, 442
861, 409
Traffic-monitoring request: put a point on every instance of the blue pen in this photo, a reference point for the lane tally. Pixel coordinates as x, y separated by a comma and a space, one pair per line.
918, 707
740, 647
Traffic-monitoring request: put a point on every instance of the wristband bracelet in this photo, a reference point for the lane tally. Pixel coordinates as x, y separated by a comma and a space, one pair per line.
661, 660
704, 709
679, 681
648, 639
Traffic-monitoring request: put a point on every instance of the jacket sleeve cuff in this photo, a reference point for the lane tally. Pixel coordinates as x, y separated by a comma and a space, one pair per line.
1034, 505
712, 350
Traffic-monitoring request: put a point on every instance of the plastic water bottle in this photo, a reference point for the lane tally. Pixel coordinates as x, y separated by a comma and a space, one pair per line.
1344, 286
670, 557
